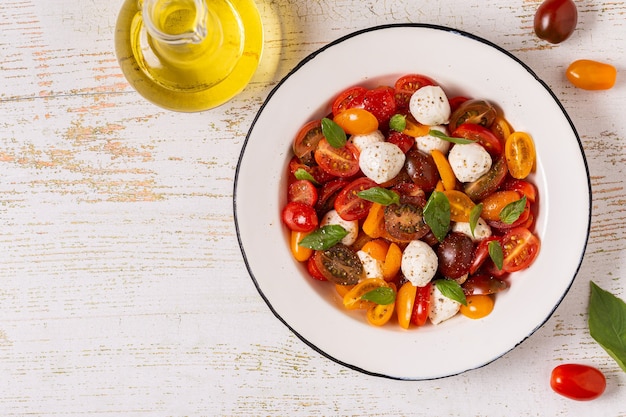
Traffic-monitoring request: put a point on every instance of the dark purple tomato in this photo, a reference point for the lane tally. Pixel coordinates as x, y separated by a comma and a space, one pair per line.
422, 169
455, 255
555, 20
405, 222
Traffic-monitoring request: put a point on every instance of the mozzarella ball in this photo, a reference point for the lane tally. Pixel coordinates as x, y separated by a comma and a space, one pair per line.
469, 161
419, 263
430, 106
381, 162
351, 226
441, 308
481, 231
427, 143
363, 141
371, 266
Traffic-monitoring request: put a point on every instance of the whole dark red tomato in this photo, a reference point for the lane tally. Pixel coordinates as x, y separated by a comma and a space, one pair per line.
455, 255
422, 169
555, 20
578, 382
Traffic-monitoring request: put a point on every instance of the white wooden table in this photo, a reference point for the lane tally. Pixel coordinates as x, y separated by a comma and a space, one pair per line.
122, 288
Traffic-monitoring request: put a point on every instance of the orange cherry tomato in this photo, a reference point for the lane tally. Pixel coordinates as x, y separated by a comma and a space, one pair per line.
591, 75
519, 151
374, 223
478, 306
377, 249
300, 253
494, 203
393, 261
404, 304
380, 314
352, 300
414, 129
356, 121
445, 170
460, 205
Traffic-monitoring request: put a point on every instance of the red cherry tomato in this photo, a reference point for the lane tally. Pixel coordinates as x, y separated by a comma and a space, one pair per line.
316, 172
349, 205
381, 103
455, 102
523, 187
328, 194
340, 162
405, 87
421, 305
306, 141
300, 217
480, 134
555, 20
591, 75
302, 191
402, 141
348, 99
520, 248
578, 382
481, 254
315, 273
522, 220
489, 182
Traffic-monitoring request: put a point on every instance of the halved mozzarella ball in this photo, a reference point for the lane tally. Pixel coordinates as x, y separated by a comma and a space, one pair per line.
427, 143
430, 106
469, 161
367, 139
419, 263
381, 162
441, 308
351, 226
481, 231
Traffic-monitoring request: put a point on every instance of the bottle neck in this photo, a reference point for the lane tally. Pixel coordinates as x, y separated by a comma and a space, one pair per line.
176, 22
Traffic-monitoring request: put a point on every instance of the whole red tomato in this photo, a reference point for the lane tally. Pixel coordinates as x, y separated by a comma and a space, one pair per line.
578, 382
555, 20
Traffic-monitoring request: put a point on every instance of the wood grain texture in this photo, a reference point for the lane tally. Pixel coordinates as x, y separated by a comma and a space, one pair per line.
122, 288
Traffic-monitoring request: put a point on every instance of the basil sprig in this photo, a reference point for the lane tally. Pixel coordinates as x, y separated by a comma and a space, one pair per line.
511, 212
303, 174
437, 214
439, 134
323, 238
607, 323
496, 254
380, 295
451, 289
379, 195
398, 122
333, 133
474, 216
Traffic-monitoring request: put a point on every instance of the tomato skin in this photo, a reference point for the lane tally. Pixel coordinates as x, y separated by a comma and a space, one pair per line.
480, 134
483, 284
327, 195
405, 300
349, 205
381, 103
401, 140
315, 273
455, 255
341, 162
481, 253
577, 382
520, 247
591, 75
419, 314
422, 169
478, 306
349, 98
299, 217
555, 20
355, 121
523, 187
302, 191
494, 203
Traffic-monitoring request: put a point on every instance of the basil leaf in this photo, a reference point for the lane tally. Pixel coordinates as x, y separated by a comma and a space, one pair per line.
451, 289
323, 238
303, 174
437, 214
474, 216
397, 122
496, 254
439, 134
333, 133
512, 211
380, 295
379, 195
607, 323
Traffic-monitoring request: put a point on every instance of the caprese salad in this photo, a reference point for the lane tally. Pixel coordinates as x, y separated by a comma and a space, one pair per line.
413, 204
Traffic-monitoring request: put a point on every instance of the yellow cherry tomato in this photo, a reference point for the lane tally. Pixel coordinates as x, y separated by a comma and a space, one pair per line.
356, 121
591, 75
478, 306
353, 301
393, 261
374, 223
519, 152
494, 203
300, 253
445, 170
501, 128
460, 205
404, 304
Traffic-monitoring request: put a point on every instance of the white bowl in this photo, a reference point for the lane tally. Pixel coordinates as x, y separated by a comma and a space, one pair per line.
464, 65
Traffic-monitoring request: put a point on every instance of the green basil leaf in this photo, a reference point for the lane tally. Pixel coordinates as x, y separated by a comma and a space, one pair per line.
513, 210
398, 122
380, 295
607, 323
437, 214
303, 174
333, 133
474, 216
451, 289
439, 134
496, 254
379, 195
323, 238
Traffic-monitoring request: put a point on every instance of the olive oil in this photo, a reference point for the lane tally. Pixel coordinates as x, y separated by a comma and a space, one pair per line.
189, 55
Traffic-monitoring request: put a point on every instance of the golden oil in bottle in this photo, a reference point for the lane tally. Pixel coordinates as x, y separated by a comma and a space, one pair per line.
189, 55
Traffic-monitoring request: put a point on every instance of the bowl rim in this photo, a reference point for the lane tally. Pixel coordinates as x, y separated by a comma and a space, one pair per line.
453, 31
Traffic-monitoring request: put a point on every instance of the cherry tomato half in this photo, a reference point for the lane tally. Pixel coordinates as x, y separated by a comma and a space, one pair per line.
302, 191
519, 151
489, 182
494, 203
577, 382
523, 187
555, 20
349, 205
306, 141
520, 248
328, 194
421, 306
300, 217
483, 284
405, 299
406, 85
476, 111
339, 264
480, 134
356, 121
591, 75
401, 140
460, 205
405, 222
349, 98
340, 162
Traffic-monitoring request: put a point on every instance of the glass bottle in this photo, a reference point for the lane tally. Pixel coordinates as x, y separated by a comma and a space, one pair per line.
189, 55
